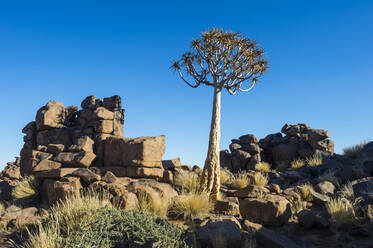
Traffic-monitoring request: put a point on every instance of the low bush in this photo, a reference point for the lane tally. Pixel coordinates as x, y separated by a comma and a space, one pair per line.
263, 167
190, 206
26, 190
186, 181
354, 151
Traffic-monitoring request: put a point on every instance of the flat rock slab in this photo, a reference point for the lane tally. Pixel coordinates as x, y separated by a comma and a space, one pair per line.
56, 173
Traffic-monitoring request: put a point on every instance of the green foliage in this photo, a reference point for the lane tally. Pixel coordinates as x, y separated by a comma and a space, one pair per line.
111, 227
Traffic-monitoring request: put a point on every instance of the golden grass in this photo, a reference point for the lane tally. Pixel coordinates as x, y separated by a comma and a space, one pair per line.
187, 181
2, 208
347, 191
315, 160
64, 218
225, 175
263, 167
305, 191
354, 151
298, 163
26, 189
156, 205
341, 211
240, 180
260, 179
190, 206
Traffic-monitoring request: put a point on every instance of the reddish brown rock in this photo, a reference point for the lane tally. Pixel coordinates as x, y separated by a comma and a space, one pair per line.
55, 173
86, 175
275, 211
55, 190
126, 201
84, 143
76, 159
103, 126
102, 113
171, 164
55, 149
143, 151
46, 165
54, 136
30, 158
50, 116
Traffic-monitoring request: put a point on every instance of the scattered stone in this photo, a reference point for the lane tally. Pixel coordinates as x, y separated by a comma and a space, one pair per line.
46, 165
55, 149
54, 190
126, 201
109, 177
268, 238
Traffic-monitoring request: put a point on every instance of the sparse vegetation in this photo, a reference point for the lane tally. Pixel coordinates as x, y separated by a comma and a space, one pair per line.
190, 205
341, 211
315, 160
225, 176
186, 181
354, 151
263, 167
27, 189
298, 163
346, 191
260, 179
155, 205
305, 191
240, 180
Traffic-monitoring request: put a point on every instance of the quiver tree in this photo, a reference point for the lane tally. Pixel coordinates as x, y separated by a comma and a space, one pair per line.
223, 60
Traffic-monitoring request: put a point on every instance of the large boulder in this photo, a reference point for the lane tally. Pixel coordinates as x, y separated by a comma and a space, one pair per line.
273, 211
76, 159
214, 233
52, 115
55, 190
142, 151
31, 158
54, 136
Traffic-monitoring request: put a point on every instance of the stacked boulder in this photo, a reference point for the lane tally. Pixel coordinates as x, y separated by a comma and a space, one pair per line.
245, 154
299, 141
68, 149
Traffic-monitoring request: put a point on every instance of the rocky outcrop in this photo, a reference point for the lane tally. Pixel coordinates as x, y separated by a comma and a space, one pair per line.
298, 141
69, 149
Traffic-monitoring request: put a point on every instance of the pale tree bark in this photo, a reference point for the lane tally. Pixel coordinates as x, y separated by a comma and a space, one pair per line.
210, 179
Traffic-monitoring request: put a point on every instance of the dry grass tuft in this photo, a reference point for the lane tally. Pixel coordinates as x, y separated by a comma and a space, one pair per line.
305, 191
240, 180
341, 211
64, 218
347, 191
27, 189
315, 160
156, 205
187, 181
298, 163
190, 206
260, 179
263, 167
225, 176
354, 151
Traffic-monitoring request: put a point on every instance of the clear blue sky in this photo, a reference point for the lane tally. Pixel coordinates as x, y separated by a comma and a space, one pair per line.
320, 54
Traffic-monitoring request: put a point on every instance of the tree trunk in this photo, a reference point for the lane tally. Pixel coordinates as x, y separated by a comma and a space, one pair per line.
210, 180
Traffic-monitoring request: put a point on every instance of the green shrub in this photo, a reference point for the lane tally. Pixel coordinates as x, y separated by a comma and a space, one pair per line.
111, 227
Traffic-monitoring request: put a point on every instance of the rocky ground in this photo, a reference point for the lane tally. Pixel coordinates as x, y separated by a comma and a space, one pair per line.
288, 189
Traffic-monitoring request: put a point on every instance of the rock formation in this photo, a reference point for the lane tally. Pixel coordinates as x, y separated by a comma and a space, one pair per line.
65, 144
299, 141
